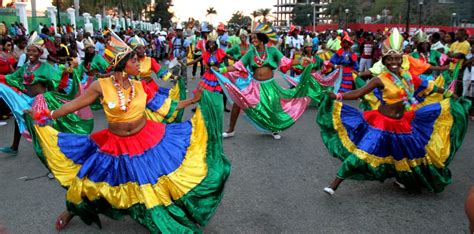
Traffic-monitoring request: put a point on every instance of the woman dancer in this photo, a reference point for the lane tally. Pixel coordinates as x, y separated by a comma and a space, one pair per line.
34, 86
149, 66
347, 59
268, 106
212, 56
414, 146
169, 178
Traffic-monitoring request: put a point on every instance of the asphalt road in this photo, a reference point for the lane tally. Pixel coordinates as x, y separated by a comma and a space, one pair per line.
275, 186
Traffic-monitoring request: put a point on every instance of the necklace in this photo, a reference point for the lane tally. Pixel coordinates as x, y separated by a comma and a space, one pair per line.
243, 48
260, 59
28, 75
408, 89
121, 96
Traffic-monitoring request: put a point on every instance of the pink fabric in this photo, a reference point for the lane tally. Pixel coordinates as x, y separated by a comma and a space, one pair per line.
247, 98
240, 71
328, 80
285, 64
295, 107
39, 104
443, 59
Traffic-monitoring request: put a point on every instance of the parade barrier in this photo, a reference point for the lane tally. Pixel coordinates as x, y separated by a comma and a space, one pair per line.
382, 27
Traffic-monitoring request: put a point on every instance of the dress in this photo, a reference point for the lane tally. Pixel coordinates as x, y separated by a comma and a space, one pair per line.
12, 90
267, 105
416, 149
209, 80
149, 68
167, 177
349, 63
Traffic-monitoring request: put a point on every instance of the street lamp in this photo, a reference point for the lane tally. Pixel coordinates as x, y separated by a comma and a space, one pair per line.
347, 17
407, 30
454, 20
420, 4
313, 4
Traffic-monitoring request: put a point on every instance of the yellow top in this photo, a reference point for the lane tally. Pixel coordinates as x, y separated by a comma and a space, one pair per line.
111, 104
145, 67
459, 47
391, 93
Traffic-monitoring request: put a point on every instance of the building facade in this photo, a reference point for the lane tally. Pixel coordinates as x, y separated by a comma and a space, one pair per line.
284, 10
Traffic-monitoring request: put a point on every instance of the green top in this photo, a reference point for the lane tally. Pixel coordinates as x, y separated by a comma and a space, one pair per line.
236, 51
98, 63
234, 40
44, 73
433, 58
273, 57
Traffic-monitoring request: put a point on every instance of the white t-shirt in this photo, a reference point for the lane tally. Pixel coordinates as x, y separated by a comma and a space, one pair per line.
80, 49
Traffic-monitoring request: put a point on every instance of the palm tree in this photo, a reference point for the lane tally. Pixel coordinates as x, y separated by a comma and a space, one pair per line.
264, 12
210, 12
254, 14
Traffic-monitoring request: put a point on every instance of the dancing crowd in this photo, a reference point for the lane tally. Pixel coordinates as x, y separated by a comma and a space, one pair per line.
168, 174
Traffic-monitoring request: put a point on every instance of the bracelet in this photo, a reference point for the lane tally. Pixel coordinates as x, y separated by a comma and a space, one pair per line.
447, 93
223, 70
339, 96
51, 114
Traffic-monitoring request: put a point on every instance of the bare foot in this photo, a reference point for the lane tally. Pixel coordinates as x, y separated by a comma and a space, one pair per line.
63, 220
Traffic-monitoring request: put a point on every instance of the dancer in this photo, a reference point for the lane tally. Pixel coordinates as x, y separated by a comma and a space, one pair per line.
148, 66
237, 51
169, 178
347, 59
415, 146
34, 86
427, 55
213, 56
91, 65
268, 106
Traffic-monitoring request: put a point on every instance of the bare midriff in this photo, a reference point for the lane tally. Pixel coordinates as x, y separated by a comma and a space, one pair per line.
263, 73
394, 111
35, 89
127, 128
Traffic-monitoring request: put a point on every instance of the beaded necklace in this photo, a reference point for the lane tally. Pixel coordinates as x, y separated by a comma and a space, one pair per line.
259, 60
121, 96
408, 93
28, 75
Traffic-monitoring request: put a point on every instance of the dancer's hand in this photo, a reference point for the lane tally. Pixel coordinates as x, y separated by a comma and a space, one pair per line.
197, 95
41, 118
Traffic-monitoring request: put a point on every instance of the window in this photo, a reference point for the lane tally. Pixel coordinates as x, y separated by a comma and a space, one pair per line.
446, 1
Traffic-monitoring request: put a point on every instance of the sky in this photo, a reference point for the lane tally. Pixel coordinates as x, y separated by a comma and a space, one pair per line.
225, 8
197, 8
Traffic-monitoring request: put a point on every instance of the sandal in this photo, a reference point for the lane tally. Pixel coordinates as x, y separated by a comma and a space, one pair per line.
63, 220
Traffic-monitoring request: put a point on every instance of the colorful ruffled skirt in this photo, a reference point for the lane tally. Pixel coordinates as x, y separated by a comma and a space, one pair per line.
268, 106
209, 82
18, 102
167, 177
415, 149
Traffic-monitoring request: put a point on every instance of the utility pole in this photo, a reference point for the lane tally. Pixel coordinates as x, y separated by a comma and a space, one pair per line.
407, 30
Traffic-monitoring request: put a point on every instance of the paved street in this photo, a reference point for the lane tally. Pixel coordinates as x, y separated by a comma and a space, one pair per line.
275, 186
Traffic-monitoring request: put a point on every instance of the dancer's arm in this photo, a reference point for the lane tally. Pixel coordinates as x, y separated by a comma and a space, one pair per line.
87, 98
358, 93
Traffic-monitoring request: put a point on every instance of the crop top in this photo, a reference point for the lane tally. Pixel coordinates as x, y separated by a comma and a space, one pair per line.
392, 93
272, 58
110, 102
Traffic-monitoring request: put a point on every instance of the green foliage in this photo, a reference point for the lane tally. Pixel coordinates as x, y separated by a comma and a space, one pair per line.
239, 18
265, 13
211, 11
162, 12
300, 15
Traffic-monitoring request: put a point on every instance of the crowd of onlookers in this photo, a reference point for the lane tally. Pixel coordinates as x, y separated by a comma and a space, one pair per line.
63, 45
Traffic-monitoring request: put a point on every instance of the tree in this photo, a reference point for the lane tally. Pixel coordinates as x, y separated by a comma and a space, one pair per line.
210, 12
240, 19
264, 12
300, 15
161, 13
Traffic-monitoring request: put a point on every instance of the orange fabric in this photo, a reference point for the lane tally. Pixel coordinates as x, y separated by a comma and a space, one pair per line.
110, 102
417, 66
